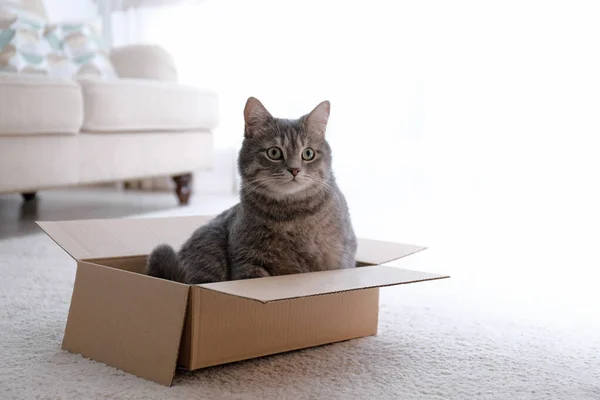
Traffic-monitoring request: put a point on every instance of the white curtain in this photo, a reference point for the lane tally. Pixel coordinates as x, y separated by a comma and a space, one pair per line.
468, 120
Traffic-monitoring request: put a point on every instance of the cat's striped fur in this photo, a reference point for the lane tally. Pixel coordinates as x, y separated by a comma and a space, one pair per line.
291, 218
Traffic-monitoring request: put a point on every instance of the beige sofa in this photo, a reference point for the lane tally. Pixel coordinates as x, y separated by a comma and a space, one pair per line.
61, 132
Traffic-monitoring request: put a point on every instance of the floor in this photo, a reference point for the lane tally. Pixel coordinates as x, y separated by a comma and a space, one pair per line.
513, 252
518, 318
18, 218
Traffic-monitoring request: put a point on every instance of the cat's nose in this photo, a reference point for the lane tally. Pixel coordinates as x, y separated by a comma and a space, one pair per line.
294, 171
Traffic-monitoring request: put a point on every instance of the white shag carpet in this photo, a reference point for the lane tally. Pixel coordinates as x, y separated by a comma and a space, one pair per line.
468, 337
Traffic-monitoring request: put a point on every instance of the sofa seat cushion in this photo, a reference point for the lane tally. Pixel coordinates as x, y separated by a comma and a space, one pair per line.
38, 104
143, 105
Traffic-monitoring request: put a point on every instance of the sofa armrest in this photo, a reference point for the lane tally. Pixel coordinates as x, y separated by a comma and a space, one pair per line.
144, 62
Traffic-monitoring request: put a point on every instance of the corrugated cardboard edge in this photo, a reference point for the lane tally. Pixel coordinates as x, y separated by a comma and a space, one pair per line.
432, 277
47, 227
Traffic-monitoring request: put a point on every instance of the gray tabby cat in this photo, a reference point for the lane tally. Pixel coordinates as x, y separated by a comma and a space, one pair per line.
291, 218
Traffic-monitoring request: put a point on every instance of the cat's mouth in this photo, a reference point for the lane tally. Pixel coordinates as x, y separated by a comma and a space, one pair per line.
285, 185
290, 186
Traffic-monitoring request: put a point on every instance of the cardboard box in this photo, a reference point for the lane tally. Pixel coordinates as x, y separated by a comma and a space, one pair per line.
147, 326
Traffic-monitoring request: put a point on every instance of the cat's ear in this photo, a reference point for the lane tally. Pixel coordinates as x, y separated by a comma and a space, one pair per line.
256, 118
316, 121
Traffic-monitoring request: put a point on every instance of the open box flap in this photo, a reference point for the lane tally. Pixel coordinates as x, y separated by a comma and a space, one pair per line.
287, 287
127, 321
104, 238
375, 252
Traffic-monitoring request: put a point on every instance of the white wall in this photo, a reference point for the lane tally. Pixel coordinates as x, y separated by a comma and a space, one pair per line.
369, 71
69, 10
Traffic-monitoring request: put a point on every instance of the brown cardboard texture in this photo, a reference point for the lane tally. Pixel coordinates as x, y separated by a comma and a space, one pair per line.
147, 326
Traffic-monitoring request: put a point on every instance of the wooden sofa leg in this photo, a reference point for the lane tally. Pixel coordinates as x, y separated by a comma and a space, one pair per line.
29, 196
183, 188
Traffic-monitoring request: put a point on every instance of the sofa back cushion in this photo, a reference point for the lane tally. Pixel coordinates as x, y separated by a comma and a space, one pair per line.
30, 44
22, 44
77, 50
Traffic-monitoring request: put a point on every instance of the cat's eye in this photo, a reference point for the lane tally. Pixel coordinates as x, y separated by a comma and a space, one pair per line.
308, 154
274, 153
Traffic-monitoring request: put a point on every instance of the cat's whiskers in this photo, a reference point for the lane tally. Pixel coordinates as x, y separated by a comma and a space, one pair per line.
278, 176
325, 185
254, 185
257, 190
254, 181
